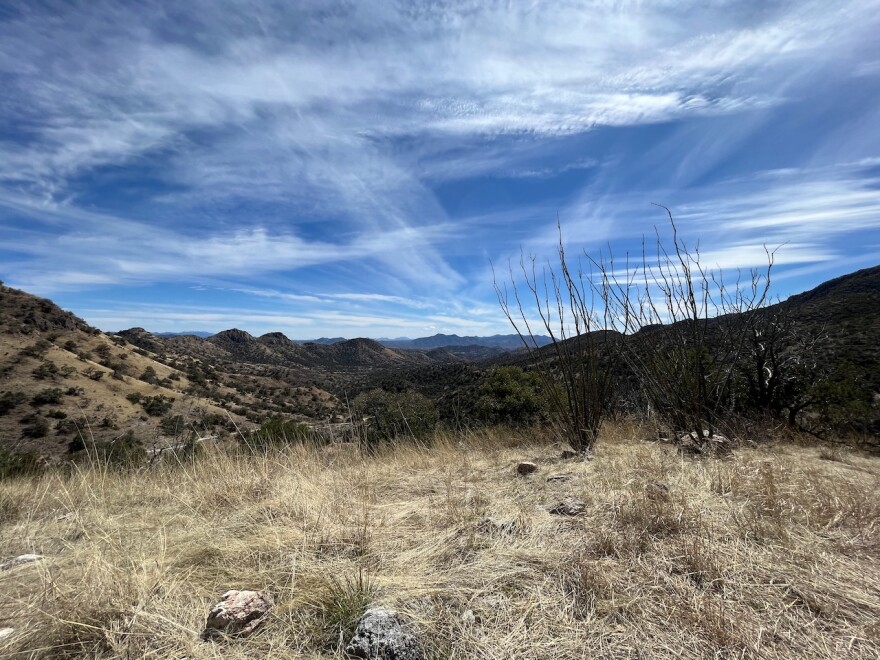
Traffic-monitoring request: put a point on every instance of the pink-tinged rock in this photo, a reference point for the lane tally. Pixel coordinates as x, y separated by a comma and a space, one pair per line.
238, 614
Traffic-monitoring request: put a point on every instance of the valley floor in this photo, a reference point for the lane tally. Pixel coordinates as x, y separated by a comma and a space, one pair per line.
773, 553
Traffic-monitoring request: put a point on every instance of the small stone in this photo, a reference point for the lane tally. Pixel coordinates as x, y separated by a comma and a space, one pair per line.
238, 614
558, 477
570, 506
568, 454
468, 618
18, 561
526, 467
6, 632
380, 635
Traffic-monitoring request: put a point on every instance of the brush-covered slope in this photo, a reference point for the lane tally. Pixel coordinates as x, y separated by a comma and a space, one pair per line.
61, 380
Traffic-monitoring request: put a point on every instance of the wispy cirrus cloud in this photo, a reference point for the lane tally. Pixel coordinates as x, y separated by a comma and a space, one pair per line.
380, 154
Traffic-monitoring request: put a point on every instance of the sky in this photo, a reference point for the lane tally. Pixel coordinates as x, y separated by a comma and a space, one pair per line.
350, 169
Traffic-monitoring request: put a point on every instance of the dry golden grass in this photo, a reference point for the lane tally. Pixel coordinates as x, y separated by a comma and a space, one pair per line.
772, 553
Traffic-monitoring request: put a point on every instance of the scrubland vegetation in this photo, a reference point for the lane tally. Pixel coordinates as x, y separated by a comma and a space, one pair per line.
771, 552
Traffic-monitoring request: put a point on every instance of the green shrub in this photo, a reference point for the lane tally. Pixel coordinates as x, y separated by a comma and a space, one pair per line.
149, 376
277, 431
395, 414
511, 396
37, 349
124, 452
94, 374
9, 400
157, 406
47, 369
18, 464
49, 395
37, 426
173, 425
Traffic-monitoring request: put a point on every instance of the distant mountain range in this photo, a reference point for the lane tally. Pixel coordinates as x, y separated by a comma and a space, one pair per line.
499, 342
504, 342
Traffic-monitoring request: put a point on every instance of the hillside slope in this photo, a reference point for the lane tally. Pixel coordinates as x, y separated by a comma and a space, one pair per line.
62, 381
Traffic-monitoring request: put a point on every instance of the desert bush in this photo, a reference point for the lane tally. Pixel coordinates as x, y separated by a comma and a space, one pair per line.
103, 351
512, 396
395, 414
149, 375
46, 369
173, 425
38, 349
276, 432
18, 464
94, 374
46, 396
37, 426
156, 406
10, 400
124, 452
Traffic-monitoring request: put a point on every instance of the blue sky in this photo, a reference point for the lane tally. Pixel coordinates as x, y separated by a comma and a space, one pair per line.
352, 168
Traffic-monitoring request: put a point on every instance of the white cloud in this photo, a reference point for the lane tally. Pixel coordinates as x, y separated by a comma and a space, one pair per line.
284, 137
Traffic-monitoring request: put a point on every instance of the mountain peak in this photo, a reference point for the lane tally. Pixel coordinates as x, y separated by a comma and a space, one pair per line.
235, 336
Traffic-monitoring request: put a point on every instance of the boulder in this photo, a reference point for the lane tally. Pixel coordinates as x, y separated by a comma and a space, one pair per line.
526, 467
238, 614
381, 635
570, 506
18, 561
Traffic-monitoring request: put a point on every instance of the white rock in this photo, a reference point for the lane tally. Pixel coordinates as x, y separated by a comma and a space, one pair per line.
18, 561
